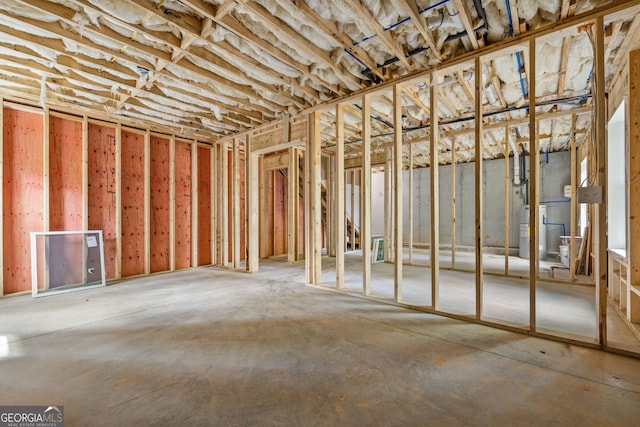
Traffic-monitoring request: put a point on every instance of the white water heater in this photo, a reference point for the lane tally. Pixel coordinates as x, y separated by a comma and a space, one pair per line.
525, 232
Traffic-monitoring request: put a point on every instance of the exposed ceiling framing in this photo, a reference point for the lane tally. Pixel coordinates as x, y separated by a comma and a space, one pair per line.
215, 68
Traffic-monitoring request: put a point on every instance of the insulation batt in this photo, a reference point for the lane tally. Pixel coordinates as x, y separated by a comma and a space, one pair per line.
220, 33
527, 9
497, 19
133, 14
549, 54
580, 63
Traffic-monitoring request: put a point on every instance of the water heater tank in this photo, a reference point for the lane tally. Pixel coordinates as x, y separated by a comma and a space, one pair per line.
542, 232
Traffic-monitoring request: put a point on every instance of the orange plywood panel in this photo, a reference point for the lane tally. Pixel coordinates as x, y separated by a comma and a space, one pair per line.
183, 205
65, 174
160, 204
65, 198
101, 177
23, 193
204, 206
279, 212
132, 204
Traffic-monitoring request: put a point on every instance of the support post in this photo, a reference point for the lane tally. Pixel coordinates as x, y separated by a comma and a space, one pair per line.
340, 230
292, 189
633, 205
387, 205
172, 204
434, 161
46, 186
410, 207
397, 191
194, 204
213, 202
479, 237
85, 169
365, 228
253, 231
224, 205
600, 234
453, 203
507, 187
235, 203
534, 158
147, 202
574, 202
118, 261
313, 226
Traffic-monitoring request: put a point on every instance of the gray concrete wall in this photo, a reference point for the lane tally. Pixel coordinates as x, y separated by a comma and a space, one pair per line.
554, 175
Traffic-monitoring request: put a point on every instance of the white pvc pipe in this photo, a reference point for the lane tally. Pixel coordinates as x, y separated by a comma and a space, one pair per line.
516, 162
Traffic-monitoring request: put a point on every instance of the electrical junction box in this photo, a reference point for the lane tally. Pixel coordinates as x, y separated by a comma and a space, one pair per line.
590, 195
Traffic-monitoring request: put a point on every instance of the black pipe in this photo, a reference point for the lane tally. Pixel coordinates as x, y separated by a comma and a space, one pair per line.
375, 79
481, 12
523, 174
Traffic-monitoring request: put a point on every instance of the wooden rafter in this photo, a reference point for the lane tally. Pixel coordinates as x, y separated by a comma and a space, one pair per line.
465, 18
412, 10
228, 22
101, 69
340, 37
286, 33
515, 17
384, 36
202, 31
466, 86
225, 8
566, 46
66, 15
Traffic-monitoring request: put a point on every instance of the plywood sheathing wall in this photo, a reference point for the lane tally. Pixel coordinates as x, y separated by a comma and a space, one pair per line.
204, 206
33, 197
102, 190
160, 202
132, 204
65, 174
65, 198
183, 205
23, 191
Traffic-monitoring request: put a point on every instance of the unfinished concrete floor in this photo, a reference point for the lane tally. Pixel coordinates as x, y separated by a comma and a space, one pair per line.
214, 347
562, 309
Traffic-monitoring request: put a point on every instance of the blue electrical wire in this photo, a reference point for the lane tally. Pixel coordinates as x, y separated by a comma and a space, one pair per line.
402, 21
524, 92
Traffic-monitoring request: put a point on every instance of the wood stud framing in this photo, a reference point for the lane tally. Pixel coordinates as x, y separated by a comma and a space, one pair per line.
253, 229
434, 159
600, 219
397, 192
507, 188
235, 204
479, 234
633, 207
365, 218
534, 158
340, 229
